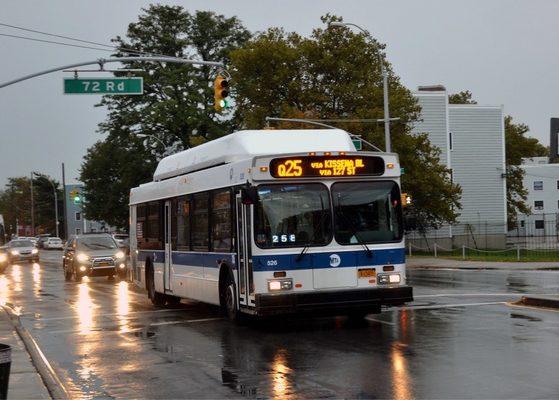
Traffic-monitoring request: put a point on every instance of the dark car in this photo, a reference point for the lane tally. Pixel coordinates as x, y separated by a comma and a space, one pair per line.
3, 259
93, 255
22, 250
41, 240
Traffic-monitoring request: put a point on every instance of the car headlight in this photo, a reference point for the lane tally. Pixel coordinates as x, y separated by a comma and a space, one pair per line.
34, 251
82, 257
120, 254
3, 258
14, 252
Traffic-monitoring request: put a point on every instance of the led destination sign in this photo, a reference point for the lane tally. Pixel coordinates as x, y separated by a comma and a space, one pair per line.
326, 166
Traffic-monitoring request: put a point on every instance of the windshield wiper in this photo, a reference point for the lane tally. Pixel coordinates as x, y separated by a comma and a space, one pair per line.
315, 230
353, 229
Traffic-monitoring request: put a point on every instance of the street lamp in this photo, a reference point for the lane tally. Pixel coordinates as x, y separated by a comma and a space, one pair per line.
384, 83
55, 199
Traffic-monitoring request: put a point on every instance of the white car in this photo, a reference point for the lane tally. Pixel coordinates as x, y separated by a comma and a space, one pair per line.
53, 243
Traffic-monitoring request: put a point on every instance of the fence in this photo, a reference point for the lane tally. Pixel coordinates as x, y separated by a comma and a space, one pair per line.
534, 237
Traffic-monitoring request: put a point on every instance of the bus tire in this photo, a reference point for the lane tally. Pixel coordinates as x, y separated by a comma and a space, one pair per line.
157, 299
230, 305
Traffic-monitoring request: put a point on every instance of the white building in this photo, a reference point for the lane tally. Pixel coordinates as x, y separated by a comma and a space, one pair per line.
471, 138
541, 180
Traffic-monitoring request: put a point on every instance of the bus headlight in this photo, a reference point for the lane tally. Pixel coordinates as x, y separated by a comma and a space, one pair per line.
280, 284
384, 279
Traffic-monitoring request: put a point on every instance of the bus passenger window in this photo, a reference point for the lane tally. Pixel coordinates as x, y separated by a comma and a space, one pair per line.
183, 223
200, 226
221, 221
141, 225
154, 232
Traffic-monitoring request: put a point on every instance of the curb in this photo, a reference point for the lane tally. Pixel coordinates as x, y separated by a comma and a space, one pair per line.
52, 382
546, 302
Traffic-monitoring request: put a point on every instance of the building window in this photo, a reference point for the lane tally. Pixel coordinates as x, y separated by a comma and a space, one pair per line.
78, 231
539, 224
558, 185
78, 216
538, 205
538, 185
522, 224
450, 140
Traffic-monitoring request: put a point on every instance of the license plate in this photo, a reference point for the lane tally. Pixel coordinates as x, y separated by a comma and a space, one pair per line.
103, 264
366, 273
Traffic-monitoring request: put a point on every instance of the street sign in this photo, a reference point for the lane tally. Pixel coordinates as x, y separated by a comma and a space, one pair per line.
357, 143
133, 85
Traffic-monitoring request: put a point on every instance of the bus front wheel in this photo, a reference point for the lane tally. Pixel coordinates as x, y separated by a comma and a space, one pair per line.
157, 299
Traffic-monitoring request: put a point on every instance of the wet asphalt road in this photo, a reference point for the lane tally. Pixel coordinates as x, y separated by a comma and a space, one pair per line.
459, 339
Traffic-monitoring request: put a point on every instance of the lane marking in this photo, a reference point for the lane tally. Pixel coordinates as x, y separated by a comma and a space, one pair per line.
380, 321
176, 322
477, 294
108, 314
447, 306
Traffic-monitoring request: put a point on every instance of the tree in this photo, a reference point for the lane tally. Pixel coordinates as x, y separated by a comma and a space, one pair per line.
176, 107
335, 73
15, 204
463, 97
517, 147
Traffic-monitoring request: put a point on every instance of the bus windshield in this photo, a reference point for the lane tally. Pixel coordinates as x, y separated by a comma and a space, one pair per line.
292, 215
367, 212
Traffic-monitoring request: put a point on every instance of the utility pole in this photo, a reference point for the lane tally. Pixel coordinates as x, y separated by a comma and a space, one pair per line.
32, 209
384, 73
64, 203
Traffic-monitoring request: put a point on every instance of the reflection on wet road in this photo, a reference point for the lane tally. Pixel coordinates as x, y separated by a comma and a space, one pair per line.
459, 339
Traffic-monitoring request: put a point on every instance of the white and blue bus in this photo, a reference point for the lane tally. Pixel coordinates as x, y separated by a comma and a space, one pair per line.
266, 222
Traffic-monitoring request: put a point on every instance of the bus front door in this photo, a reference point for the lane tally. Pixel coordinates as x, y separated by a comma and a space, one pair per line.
168, 247
244, 254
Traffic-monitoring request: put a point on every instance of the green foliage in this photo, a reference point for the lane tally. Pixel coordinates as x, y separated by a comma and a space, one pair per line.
463, 97
110, 169
335, 73
518, 146
176, 108
15, 204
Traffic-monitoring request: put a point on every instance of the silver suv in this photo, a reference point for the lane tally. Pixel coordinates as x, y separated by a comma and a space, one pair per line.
93, 255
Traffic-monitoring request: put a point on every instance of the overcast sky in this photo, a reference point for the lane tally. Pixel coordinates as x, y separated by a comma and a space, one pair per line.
503, 51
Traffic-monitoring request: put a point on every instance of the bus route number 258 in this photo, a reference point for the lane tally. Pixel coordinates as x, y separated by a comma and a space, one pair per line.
283, 238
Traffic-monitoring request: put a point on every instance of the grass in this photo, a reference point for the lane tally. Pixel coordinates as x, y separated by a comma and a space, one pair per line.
501, 256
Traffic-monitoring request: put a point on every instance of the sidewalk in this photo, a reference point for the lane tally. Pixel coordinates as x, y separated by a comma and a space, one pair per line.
25, 381
432, 262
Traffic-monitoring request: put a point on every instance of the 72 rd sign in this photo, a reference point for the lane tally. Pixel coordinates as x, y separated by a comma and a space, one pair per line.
104, 85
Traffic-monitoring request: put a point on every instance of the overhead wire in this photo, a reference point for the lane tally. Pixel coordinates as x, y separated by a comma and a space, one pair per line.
123, 49
53, 42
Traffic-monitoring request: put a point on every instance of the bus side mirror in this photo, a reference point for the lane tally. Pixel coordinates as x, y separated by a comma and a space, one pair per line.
249, 195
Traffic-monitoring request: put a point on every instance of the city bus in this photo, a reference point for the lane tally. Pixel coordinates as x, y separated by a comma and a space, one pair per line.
264, 222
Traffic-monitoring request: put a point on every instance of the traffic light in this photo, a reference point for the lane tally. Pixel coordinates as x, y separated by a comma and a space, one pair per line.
406, 200
75, 196
221, 93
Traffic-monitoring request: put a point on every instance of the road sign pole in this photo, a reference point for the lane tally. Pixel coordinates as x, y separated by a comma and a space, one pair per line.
102, 61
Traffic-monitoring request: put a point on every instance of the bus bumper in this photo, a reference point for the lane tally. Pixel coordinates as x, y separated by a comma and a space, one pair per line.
332, 302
